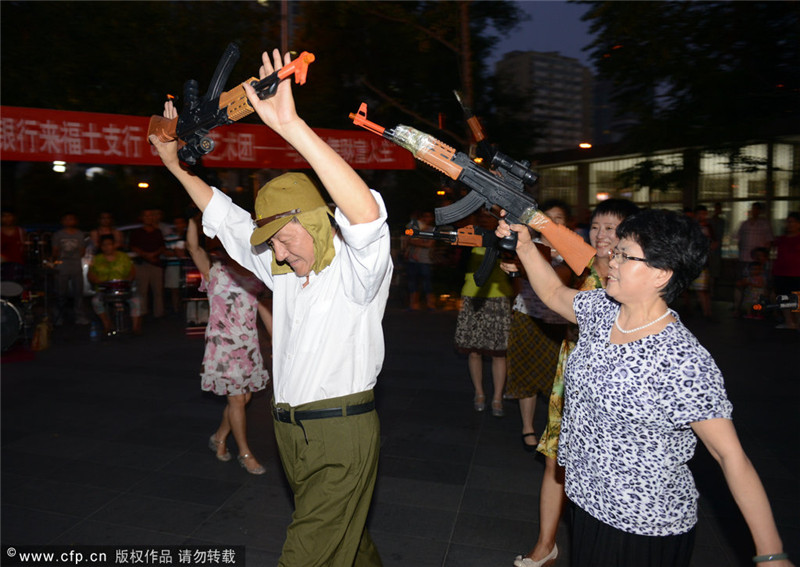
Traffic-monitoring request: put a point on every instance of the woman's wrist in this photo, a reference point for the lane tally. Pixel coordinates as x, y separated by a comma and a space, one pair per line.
770, 557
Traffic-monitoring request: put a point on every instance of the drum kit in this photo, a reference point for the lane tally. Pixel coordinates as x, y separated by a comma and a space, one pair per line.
10, 316
23, 293
116, 294
18, 305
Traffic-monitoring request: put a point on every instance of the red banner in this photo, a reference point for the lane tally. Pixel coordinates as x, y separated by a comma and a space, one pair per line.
34, 134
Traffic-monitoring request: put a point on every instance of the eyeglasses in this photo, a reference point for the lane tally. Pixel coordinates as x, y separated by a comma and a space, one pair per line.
622, 257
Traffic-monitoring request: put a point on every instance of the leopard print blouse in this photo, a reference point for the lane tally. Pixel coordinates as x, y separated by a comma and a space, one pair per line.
626, 436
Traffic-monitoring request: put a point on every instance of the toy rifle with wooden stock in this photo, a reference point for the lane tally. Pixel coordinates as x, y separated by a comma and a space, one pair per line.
502, 186
216, 108
471, 236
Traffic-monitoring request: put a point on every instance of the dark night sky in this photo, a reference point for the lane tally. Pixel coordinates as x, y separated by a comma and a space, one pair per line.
554, 26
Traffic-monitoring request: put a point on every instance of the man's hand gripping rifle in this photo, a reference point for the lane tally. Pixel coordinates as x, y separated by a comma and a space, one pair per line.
201, 115
502, 186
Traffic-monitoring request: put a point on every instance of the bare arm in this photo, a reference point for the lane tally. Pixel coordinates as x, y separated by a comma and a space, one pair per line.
198, 254
545, 281
266, 316
199, 191
344, 185
719, 437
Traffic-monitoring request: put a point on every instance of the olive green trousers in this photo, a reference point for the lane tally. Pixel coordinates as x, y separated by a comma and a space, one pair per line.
331, 465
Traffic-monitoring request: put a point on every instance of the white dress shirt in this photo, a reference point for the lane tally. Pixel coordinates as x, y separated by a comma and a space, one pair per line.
327, 338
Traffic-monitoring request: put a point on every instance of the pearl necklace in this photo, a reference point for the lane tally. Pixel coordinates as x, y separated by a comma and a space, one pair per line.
653, 322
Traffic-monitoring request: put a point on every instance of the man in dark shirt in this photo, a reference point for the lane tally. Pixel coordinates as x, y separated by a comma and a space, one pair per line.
147, 243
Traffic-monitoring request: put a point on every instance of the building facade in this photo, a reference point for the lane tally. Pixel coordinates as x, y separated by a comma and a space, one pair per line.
767, 172
561, 88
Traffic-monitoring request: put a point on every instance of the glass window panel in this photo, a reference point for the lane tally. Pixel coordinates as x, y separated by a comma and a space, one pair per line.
559, 183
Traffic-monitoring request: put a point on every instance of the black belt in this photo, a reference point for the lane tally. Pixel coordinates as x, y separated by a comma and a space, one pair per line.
285, 416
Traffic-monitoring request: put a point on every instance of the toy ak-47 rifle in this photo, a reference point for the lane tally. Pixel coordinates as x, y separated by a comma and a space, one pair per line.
789, 301
200, 115
502, 186
471, 236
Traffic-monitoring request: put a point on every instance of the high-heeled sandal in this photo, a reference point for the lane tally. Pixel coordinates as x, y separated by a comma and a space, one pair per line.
530, 448
213, 444
497, 408
521, 561
479, 402
258, 469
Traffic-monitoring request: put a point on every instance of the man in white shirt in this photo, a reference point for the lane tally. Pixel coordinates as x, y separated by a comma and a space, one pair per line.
330, 282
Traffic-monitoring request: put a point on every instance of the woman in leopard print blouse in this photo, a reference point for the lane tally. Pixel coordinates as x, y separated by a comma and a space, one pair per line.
639, 391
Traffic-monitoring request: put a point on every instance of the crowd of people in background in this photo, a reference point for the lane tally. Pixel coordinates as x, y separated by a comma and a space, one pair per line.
766, 265
82, 269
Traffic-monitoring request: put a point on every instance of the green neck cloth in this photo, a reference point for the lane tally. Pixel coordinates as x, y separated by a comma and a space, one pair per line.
318, 225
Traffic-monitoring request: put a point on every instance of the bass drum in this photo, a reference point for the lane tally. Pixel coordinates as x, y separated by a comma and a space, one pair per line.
10, 325
10, 289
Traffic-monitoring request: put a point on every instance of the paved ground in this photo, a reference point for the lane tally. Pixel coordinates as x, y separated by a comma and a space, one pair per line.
105, 443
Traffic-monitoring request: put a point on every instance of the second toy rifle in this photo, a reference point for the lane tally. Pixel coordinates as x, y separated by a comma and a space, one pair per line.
790, 301
472, 236
200, 115
502, 186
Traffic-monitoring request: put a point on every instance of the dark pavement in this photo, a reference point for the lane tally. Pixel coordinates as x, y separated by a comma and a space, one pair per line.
105, 444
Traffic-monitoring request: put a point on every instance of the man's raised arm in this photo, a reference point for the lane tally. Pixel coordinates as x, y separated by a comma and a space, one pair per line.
343, 184
198, 190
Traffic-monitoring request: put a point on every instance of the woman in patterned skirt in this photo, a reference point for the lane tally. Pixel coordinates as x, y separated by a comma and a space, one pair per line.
483, 323
639, 390
603, 237
232, 363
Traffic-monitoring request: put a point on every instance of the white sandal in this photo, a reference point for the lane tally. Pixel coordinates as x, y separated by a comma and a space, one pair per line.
521, 561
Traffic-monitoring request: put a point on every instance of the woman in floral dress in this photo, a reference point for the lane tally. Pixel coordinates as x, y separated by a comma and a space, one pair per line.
232, 363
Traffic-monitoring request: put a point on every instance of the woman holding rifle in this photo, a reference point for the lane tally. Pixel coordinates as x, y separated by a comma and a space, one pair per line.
639, 391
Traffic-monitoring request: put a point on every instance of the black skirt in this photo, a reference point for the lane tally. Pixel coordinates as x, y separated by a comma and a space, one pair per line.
596, 544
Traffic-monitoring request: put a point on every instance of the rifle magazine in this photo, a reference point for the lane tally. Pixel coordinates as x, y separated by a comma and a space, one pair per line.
460, 209
483, 272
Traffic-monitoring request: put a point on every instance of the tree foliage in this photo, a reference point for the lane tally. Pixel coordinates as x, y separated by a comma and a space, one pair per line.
123, 57
404, 58
721, 72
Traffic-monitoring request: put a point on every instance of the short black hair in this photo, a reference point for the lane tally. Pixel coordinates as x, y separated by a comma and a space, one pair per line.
553, 203
620, 208
104, 237
669, 241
